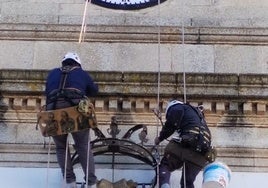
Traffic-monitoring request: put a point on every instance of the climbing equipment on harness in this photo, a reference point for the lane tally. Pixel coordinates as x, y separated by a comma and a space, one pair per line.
86, 108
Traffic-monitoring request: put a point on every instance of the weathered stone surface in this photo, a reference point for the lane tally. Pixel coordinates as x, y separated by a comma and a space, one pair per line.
112, 48
221, 45
238, 121
196, 13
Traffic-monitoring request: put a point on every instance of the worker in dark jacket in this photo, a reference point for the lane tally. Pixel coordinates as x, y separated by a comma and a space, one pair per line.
65, 87
191, 140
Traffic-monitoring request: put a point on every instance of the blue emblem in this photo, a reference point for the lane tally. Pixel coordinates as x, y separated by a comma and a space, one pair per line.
126, 4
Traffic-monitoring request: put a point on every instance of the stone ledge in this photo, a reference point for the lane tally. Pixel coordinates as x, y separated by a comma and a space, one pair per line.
235, 116
135, 34
238, 159
238, 87
22, 106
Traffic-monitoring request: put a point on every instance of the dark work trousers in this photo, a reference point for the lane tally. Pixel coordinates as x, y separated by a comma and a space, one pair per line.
174, 157
81, 140
81, 145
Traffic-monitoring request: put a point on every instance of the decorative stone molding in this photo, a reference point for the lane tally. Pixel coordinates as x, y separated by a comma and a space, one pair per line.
235, 107
135, 34
132, 91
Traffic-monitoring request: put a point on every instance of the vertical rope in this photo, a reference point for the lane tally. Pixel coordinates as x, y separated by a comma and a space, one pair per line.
88, 147
183, 53
158, 81
81, 38
66, 157
48, 160
184, 80
159, 63
83, 26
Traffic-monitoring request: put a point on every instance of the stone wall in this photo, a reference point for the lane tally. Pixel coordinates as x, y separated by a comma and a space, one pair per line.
196, 13
235, 107
219, 36
220, 44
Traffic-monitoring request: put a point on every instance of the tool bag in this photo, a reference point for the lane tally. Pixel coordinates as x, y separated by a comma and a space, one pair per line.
197, 137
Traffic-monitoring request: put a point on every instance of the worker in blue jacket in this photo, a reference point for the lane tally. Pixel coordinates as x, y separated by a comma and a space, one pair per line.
65, 87
188, 147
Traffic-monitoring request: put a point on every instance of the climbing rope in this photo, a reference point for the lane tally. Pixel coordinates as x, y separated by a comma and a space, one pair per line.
66, 158
48, 160
159, 76
83, 25
159, 63
158, 84
88, 148
184, 79
84, 105
183, 53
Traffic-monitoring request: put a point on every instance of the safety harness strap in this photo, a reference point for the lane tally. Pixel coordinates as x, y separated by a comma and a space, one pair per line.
197, 137
66, 94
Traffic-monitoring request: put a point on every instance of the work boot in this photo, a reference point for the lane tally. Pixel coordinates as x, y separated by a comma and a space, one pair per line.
92, 186
165, 185
71, 185
212, 184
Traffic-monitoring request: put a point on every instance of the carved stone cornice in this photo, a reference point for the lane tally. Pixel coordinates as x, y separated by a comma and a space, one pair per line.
131, 84
135, 34
235, 107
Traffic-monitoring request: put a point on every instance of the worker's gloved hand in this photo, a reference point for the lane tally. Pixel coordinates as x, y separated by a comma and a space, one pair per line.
156, 141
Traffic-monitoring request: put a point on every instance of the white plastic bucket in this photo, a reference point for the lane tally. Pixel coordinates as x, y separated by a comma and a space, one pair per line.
216, 175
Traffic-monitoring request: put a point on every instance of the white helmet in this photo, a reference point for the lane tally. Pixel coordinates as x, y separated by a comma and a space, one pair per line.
73, 56
171, 103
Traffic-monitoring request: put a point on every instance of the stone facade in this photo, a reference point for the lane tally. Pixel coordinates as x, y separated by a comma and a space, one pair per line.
219, 36
235, 114
221, 45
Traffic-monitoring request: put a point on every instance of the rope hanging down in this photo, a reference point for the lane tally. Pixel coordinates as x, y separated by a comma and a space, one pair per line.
157, 110
84, 25
48, 160
183, 53
159, 63
184, 80
81, 38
